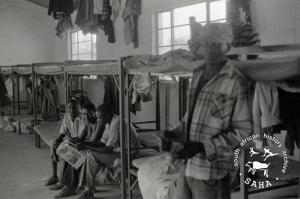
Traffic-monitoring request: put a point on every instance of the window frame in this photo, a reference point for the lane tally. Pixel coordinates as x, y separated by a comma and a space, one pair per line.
156, 29
70, 49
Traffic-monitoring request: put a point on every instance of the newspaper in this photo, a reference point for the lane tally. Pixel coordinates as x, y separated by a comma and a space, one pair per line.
71, 155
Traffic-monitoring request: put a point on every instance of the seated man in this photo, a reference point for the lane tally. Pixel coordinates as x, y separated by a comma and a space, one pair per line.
69, 129
69, 175
102, 154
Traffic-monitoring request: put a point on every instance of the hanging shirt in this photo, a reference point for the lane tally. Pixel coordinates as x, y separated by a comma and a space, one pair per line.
9, 87
98, 7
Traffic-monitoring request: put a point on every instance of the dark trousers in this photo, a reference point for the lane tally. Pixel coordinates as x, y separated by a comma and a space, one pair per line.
69, 176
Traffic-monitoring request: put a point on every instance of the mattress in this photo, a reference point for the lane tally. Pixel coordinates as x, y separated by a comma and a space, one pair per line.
48, 131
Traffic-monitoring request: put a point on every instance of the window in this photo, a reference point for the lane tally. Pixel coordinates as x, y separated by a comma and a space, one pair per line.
173, 29
83, 47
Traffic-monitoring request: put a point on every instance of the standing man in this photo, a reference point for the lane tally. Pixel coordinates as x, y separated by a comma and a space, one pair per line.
218, 117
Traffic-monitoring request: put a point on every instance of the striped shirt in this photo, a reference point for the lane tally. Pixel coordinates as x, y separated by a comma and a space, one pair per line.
71, 128
221, 119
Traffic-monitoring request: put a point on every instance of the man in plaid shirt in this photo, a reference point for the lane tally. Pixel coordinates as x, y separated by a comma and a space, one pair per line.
217, 119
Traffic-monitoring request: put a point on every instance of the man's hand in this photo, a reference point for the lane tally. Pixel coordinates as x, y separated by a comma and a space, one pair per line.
55, 143
79, 146
189, 150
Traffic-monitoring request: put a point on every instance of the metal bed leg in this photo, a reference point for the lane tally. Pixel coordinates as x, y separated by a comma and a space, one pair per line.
243, 176
19, 128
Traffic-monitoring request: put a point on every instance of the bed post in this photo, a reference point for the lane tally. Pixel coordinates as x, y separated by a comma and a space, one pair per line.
66, 83
18, 91
122, 129
13, 90
243, 175
157, 112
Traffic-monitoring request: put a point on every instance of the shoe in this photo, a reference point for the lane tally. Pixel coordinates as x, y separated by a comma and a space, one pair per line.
51, 181
56, 186
86, 195
65, 192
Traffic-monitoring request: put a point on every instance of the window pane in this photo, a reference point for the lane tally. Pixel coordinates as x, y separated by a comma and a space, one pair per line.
163, 50
218, 10
82, 37
182, 34
74, 57
74, 37
164, 37
74, 49
85, 56
181, 15
185, 47
85, 47
164, 20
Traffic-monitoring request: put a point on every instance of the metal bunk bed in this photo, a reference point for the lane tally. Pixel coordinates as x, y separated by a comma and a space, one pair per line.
21, 119
257, 70
52, 69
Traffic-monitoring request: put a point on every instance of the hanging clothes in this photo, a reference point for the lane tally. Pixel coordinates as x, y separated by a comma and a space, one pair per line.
86, 20
265, 107
60, 7
290, 114
48, 98
98, 7
111, 94
116, 7
9, 87
130, 16
64, 25
106, 24
3, 92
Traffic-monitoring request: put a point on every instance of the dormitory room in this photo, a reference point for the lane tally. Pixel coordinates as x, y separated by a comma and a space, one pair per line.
149, 99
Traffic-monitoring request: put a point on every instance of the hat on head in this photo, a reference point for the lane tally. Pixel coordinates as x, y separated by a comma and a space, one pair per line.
213, 32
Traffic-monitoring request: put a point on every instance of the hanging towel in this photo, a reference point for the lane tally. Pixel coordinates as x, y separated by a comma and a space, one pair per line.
116, 6
98, 7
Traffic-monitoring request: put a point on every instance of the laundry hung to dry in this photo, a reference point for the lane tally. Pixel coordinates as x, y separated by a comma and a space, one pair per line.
61, 10
94, 14
130, 16
48, 99
3, 92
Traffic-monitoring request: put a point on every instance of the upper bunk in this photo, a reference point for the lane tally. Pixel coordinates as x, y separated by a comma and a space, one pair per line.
23, 69
6, 70
55, 68
181, 62
92, 67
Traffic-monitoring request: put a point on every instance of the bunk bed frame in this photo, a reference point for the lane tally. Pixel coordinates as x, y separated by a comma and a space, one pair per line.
281, 69
55, 68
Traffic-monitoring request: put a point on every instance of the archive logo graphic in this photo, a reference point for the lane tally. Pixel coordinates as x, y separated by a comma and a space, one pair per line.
263, 165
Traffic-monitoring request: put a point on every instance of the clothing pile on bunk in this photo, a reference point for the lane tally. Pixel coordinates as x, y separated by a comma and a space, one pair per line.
61, 11
276, 107
48, 99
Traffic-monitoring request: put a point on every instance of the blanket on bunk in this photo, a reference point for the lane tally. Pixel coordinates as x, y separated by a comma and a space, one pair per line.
182, 61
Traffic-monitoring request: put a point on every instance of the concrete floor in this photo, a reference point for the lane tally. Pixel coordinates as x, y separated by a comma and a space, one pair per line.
23, 169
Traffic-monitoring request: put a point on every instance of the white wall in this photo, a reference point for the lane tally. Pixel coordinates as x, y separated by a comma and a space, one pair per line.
26, 33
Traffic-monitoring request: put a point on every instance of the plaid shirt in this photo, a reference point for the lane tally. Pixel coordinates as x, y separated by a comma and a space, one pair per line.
221, 119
